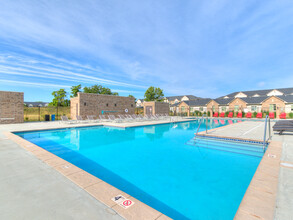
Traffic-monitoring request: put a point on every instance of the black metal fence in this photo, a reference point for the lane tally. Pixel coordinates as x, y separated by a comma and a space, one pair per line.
43, 113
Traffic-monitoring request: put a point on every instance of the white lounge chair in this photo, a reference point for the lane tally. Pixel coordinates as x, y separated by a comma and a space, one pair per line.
64, 119
91, 118
80, 119
114, 119
104, 118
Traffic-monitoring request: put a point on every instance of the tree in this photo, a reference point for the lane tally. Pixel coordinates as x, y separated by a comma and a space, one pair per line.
154, 94
75, 90
59, 98
98, 89
131, 96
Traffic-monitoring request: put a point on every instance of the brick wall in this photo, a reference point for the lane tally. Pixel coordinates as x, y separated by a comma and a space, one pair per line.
185, 109
157, 107
11, 107
280, 105
210, 106
241, 104
95, 104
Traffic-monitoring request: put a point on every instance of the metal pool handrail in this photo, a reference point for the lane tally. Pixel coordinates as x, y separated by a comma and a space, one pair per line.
268, 120
200, 124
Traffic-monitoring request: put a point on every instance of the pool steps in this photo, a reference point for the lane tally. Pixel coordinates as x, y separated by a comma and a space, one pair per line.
255, 150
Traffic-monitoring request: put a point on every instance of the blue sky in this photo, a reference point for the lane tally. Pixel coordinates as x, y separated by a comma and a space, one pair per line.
204, 48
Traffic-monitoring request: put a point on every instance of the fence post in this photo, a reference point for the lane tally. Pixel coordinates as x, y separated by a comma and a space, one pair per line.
57, 113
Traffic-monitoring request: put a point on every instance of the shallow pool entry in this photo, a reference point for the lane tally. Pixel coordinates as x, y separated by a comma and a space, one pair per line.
237, 146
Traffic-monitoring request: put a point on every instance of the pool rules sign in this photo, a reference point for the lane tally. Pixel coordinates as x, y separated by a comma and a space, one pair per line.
122, 201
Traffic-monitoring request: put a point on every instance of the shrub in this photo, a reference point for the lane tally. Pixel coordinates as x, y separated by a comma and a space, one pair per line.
291, 115
254, 114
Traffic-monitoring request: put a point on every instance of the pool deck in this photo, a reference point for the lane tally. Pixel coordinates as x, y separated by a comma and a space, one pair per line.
33, 188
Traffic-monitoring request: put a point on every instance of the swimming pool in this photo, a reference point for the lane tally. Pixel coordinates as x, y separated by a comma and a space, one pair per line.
155, 165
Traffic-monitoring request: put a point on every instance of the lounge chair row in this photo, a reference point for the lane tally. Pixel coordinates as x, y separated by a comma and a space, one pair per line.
118, 118
282, 126
249, 115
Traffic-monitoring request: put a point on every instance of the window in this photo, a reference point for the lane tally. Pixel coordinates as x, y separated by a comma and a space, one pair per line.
223, 109
115, 104
253, 108
84, 104
182, 109
236, 108
107, 104
272, 107
291, 108
201, 109
131, 105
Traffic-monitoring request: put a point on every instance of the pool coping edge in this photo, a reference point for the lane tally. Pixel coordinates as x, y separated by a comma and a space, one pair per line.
96, 188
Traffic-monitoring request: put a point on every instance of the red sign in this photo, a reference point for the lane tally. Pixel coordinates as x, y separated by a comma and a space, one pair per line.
127, 202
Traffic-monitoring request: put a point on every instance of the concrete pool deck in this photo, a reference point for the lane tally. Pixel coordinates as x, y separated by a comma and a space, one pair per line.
38, 184
33, 188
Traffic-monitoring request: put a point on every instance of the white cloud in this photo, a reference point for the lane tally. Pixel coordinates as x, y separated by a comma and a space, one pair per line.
203, 48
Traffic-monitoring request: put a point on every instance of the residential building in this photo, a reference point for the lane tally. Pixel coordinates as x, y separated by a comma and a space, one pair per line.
177, 99
272, 100
139, 103
36, 104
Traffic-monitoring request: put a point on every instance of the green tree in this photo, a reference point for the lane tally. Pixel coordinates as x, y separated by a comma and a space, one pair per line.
59, 98
75, 90
132, 97
98, 89
154, 94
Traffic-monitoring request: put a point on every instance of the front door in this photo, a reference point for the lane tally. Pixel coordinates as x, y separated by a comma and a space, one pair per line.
149, 110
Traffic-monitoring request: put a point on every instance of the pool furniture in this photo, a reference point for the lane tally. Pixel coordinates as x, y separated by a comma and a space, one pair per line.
222, 115
282, 126
239, 115
114, 119
91, 118
80, 119
248, 115
259, 115
104, 118
125, 118
64, 119
272, 115
216, 114
282, 115
230, 115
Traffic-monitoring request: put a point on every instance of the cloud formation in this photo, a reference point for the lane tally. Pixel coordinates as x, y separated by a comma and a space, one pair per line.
204, 48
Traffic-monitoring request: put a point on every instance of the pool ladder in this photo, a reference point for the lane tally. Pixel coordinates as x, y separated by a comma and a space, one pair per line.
204, 115
265, 139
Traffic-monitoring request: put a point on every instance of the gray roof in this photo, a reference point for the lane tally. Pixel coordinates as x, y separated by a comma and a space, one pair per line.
172, 98
197, 102
255, 100
286, 98
222, 101
264, 92
36, 104
175, 104
191, 97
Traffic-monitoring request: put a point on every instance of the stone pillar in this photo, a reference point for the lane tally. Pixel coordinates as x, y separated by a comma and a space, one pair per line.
188, 111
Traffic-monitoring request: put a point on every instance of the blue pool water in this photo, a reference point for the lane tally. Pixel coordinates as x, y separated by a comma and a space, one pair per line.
155, 165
